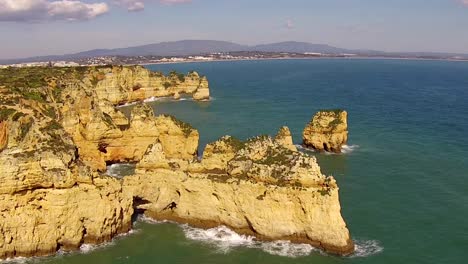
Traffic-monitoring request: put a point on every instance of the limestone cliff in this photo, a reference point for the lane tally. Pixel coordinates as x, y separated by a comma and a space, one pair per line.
48, 198
327, 131
58, 130
120, 85
258, 187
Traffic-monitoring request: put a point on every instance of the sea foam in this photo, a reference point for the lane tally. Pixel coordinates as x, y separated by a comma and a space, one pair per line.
84, 249
120, 170
346, 149
366, 248
224, 240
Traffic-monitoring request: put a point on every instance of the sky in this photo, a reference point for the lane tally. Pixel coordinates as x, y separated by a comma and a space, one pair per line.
55, 27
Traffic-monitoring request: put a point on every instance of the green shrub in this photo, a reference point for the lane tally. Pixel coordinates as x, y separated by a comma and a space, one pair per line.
5, 113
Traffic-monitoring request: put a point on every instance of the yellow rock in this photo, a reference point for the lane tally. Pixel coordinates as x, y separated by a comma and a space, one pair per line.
284, 138
258, 187
3, 135
54, 143
40, 221
203, 91
327, 131
129, 84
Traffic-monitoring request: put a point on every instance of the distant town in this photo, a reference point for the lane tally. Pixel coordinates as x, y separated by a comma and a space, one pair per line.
218, 56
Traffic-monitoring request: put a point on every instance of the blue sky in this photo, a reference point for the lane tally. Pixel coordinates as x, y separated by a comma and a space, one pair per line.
44, 27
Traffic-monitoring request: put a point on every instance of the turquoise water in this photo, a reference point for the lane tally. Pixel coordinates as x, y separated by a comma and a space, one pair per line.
404, 189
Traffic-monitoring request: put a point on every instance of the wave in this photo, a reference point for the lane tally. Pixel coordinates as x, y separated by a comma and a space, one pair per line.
149, 220
84, 249
120, 170
225, 240
18, 260
366, 248
126, 104
345, 149
151, 99
87, 248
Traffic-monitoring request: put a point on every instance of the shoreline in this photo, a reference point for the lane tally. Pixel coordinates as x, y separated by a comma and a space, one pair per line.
311, 58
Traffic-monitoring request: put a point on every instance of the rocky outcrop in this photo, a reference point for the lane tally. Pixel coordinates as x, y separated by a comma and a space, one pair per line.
284, 137
120, 85
203, 91
49, 200
327, 131
66, 129
42, 220
101, 140
258, 187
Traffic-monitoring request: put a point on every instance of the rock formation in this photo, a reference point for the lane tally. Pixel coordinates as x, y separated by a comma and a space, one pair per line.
58, 133
119, 85
258, 187
284, 137
327, 131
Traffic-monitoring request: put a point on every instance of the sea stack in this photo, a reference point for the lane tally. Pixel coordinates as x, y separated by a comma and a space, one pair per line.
327, 131
55, 145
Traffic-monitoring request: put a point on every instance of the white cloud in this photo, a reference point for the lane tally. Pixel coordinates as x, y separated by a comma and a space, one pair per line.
139, 5
76, 10
42, 10
132, 5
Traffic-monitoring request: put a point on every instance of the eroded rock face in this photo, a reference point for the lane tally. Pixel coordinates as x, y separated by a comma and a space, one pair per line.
52, 148
49, 199
327, 131
39, 221
284, 138
100, 140
120, 85
259, 187
203, 91
3, 135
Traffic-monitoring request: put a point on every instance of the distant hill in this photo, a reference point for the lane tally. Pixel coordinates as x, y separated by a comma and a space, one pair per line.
197, 47
175, 48
299, 47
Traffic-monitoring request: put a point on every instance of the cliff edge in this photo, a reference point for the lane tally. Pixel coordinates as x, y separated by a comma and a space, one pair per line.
59, 128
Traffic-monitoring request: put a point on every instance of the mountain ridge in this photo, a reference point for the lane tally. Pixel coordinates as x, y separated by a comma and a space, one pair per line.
198, 47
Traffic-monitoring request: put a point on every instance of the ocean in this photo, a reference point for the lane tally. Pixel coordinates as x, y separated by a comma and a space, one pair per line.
403, 176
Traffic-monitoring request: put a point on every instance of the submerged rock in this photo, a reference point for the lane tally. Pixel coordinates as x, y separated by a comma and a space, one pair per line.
327, 131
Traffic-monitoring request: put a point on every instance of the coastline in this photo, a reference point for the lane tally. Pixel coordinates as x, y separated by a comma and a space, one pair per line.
310, 58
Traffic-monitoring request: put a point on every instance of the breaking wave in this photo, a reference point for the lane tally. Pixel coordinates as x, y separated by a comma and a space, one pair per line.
225, 240
166, 98
346, 149
84, 249
366, 248
87, 248
120, 170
